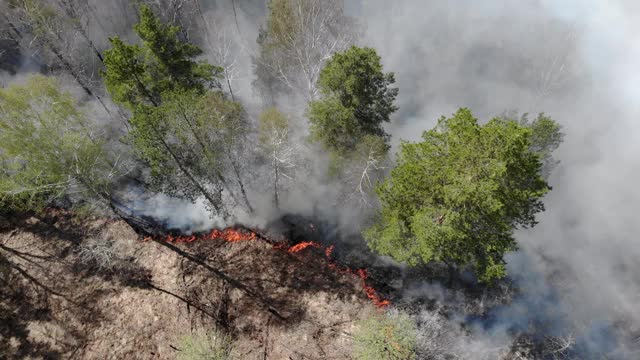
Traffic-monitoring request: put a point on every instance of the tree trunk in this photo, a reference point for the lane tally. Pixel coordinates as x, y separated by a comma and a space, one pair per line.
275, 182
242, 190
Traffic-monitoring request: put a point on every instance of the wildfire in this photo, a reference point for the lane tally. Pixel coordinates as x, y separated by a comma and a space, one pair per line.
235, 235
232, 235
301, 246
372, 294
228, 235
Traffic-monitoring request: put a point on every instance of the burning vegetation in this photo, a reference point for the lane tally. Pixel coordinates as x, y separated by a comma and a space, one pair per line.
236, 234
340, 248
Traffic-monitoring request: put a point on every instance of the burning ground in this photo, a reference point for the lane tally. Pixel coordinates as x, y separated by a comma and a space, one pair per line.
277, 300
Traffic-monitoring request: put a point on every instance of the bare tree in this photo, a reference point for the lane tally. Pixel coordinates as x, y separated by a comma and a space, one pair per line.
299, 37
277, 147
37, 24
554, 68
222, 48
559, 347
363, 168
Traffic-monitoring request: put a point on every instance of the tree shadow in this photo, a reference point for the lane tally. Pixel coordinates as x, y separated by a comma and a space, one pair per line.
26, 299
45, 286
273, 285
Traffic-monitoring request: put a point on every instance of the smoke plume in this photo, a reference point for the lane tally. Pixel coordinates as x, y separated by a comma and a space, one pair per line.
575, 61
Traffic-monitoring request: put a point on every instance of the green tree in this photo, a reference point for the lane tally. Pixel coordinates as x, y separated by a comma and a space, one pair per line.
141, 74
458, 195
356, 100
182, 129
385, 337
48, 148
43, 24
190, 142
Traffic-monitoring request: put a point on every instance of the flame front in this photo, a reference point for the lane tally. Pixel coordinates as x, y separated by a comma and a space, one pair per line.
303, 245
228, 235
372, 294
234, 235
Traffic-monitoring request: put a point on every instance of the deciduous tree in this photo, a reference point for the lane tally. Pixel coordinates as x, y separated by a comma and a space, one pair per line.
52, 28
299, 37
276, 145
48, 147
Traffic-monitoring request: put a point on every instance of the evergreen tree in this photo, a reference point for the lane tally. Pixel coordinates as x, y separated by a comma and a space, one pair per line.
458, 195
356, 100
184, 130
141, 74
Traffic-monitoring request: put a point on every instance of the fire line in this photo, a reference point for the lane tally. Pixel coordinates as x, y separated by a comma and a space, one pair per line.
236, 235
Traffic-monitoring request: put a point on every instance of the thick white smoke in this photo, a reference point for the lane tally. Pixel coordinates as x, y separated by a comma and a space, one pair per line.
576, 61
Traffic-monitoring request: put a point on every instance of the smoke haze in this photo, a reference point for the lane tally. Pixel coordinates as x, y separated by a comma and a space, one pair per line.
577, 62
574, 60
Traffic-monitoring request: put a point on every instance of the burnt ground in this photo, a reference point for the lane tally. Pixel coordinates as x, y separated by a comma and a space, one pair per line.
58, 303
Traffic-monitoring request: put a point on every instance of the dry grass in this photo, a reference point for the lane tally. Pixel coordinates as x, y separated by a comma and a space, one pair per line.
138, 304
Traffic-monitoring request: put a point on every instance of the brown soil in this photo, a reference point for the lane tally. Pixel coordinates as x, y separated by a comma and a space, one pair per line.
274, 305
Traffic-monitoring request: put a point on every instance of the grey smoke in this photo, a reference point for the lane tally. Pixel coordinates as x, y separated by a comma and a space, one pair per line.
577, 61
574, 60
497, 55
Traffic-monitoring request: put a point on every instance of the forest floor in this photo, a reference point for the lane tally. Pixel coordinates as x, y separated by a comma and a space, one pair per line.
57, 302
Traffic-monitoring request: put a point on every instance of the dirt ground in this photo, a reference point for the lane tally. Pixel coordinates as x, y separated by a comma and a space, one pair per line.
57, 302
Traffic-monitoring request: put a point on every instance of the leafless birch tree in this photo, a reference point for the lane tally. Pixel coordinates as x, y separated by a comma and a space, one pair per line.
299, 37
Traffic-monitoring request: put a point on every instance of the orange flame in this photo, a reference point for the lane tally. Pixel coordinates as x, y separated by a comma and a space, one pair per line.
235, 235
229, 235
301, 246
370, 291
328, 251
372, 294
232, 235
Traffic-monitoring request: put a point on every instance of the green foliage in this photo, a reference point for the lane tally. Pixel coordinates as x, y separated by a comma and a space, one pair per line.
385, 337
357, 99
187, 141
137, 74
458, 195
45, 147
334, 125
204, 346
179, 127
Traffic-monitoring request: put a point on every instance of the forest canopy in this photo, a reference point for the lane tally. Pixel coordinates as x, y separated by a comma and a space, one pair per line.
455, 197
458, 195
354, 175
